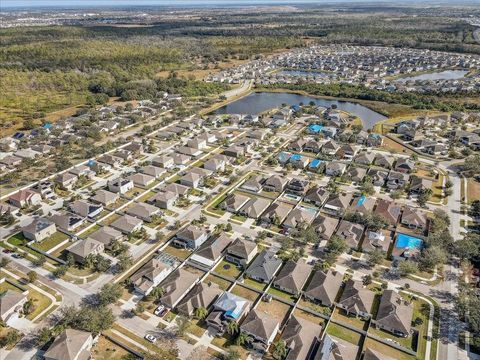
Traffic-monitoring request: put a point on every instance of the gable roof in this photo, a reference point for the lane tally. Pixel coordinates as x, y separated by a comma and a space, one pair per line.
85, 247
324, 286
9, 300
394, 312
293, 275
264, 265
299, 335
259, 324
357, 298
201, 295
176, 284
68, 346
242, 248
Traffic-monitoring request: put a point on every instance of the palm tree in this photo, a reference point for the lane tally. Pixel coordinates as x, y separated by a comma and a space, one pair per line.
243, 338
201, 312
232, 327
280, 350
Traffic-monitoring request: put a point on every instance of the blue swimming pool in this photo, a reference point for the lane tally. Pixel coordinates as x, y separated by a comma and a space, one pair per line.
315, 163
315, 128
361, 200
409, 242
296, 157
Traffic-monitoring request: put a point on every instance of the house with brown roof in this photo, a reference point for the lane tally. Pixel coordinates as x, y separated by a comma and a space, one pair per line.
120, 185
191, 179
299, 218
276, 213
363, 205
141, 179
81, 249
254, 183
325, 225
154, 171
24, 198
153, 273
66, 180
389, 210
146, 212
105, 197
85, 208
254, 207
394, 314
176, 285
371, 354
39, 229
350, 232
177, 189
316, 195
67, 221
127, 224
202, 295
323, 287
337, 204
300, 337
71, 344
163, 161
110, 160
384, 161
419, 184
275, 183
293, 276
106, 235
163, 199
241, 252
414, 218
191, 237
404, 165
356, 299
364, 158
234, 202
330, 148
333, 348
211, 251
262, 328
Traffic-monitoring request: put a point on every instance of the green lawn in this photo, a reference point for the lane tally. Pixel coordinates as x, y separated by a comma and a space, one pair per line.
223, 284
253, 283
281, 294
90, 231
227, 269
339, 315
51, 242
177, 252
387, 350
344, 333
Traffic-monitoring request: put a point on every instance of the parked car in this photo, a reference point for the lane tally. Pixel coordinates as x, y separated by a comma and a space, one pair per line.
150, 338
159, 310
7, 251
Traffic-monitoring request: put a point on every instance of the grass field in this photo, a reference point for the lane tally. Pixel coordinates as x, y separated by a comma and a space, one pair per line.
227, 269
51, 242
344, 333
107, 350
245, 293
473, 190
387, 350
223, 284
275, 309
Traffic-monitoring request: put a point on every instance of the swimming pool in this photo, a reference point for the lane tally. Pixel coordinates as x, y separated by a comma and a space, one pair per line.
409, 242
315, 128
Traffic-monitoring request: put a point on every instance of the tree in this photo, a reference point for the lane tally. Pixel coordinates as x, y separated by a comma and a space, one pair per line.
375, 257
242, 338
367, 279
336, 245
201, 312
157, 292
475, 208
367, 188
424, 196
125, 261
39, 260
11, 338
28, 307
4, 262
468, 247
32, 276
183, 324
43, 336
60, 271
279, 349
109, 294
431, 257
407, 267
232, 327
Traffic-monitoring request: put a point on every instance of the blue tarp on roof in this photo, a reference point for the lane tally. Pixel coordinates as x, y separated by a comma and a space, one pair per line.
315, 163
47, 126
296, 157
91, 163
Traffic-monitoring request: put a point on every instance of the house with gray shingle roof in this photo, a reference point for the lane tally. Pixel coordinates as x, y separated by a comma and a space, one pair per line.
356, 299
293, 276
323, 287
71, 344
394, 314
264, 267
262, 328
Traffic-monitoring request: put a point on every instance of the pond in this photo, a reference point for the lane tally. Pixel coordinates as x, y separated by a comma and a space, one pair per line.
261, 101
438, 75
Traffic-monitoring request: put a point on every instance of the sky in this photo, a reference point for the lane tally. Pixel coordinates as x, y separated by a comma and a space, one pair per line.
122, 3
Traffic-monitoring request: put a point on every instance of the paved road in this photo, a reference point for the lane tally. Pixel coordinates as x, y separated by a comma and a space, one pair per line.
247, 84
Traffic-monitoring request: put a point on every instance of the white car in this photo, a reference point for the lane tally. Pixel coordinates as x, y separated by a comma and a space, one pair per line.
159, 310
150, 338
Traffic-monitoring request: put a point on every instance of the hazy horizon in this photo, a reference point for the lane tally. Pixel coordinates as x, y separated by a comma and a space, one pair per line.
68, 4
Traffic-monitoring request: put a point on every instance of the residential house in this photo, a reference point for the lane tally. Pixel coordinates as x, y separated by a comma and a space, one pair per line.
180, 190
197, 143
163, 161
81, 249
141, 180
254, 183
337, 204
45, 189
384, 161
317, 196
254, 207
264, 267
234, 202
371, 354
110, 160
357, 174
191, 179
11, 303
374, 140
127, 224
85, 209
389, 210
356, 299
153, 273
241, 252
323, 287
316, 165
378, 176
364, 158
293, 276
104, 197
297, 186
211, 251
67, 221
25, 198
234, 151
394, 314
299, 218
397, 180
325, 226
349, 151
107, 236
333, 348
120, 185
299, 161
404, 165
66, 180
419, 185
284, 157
262, 328
71, 344
191, 237
228, 307
414, 218
363, 205
276, 213
300, 337
82, 170
275, 183
350, 232
297, 145
335, 168
39, 229
312, 146
146, 212
215, 164
330, 148
192, 152
376, 240
201, 296
154, 171
176, 285
163, 199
